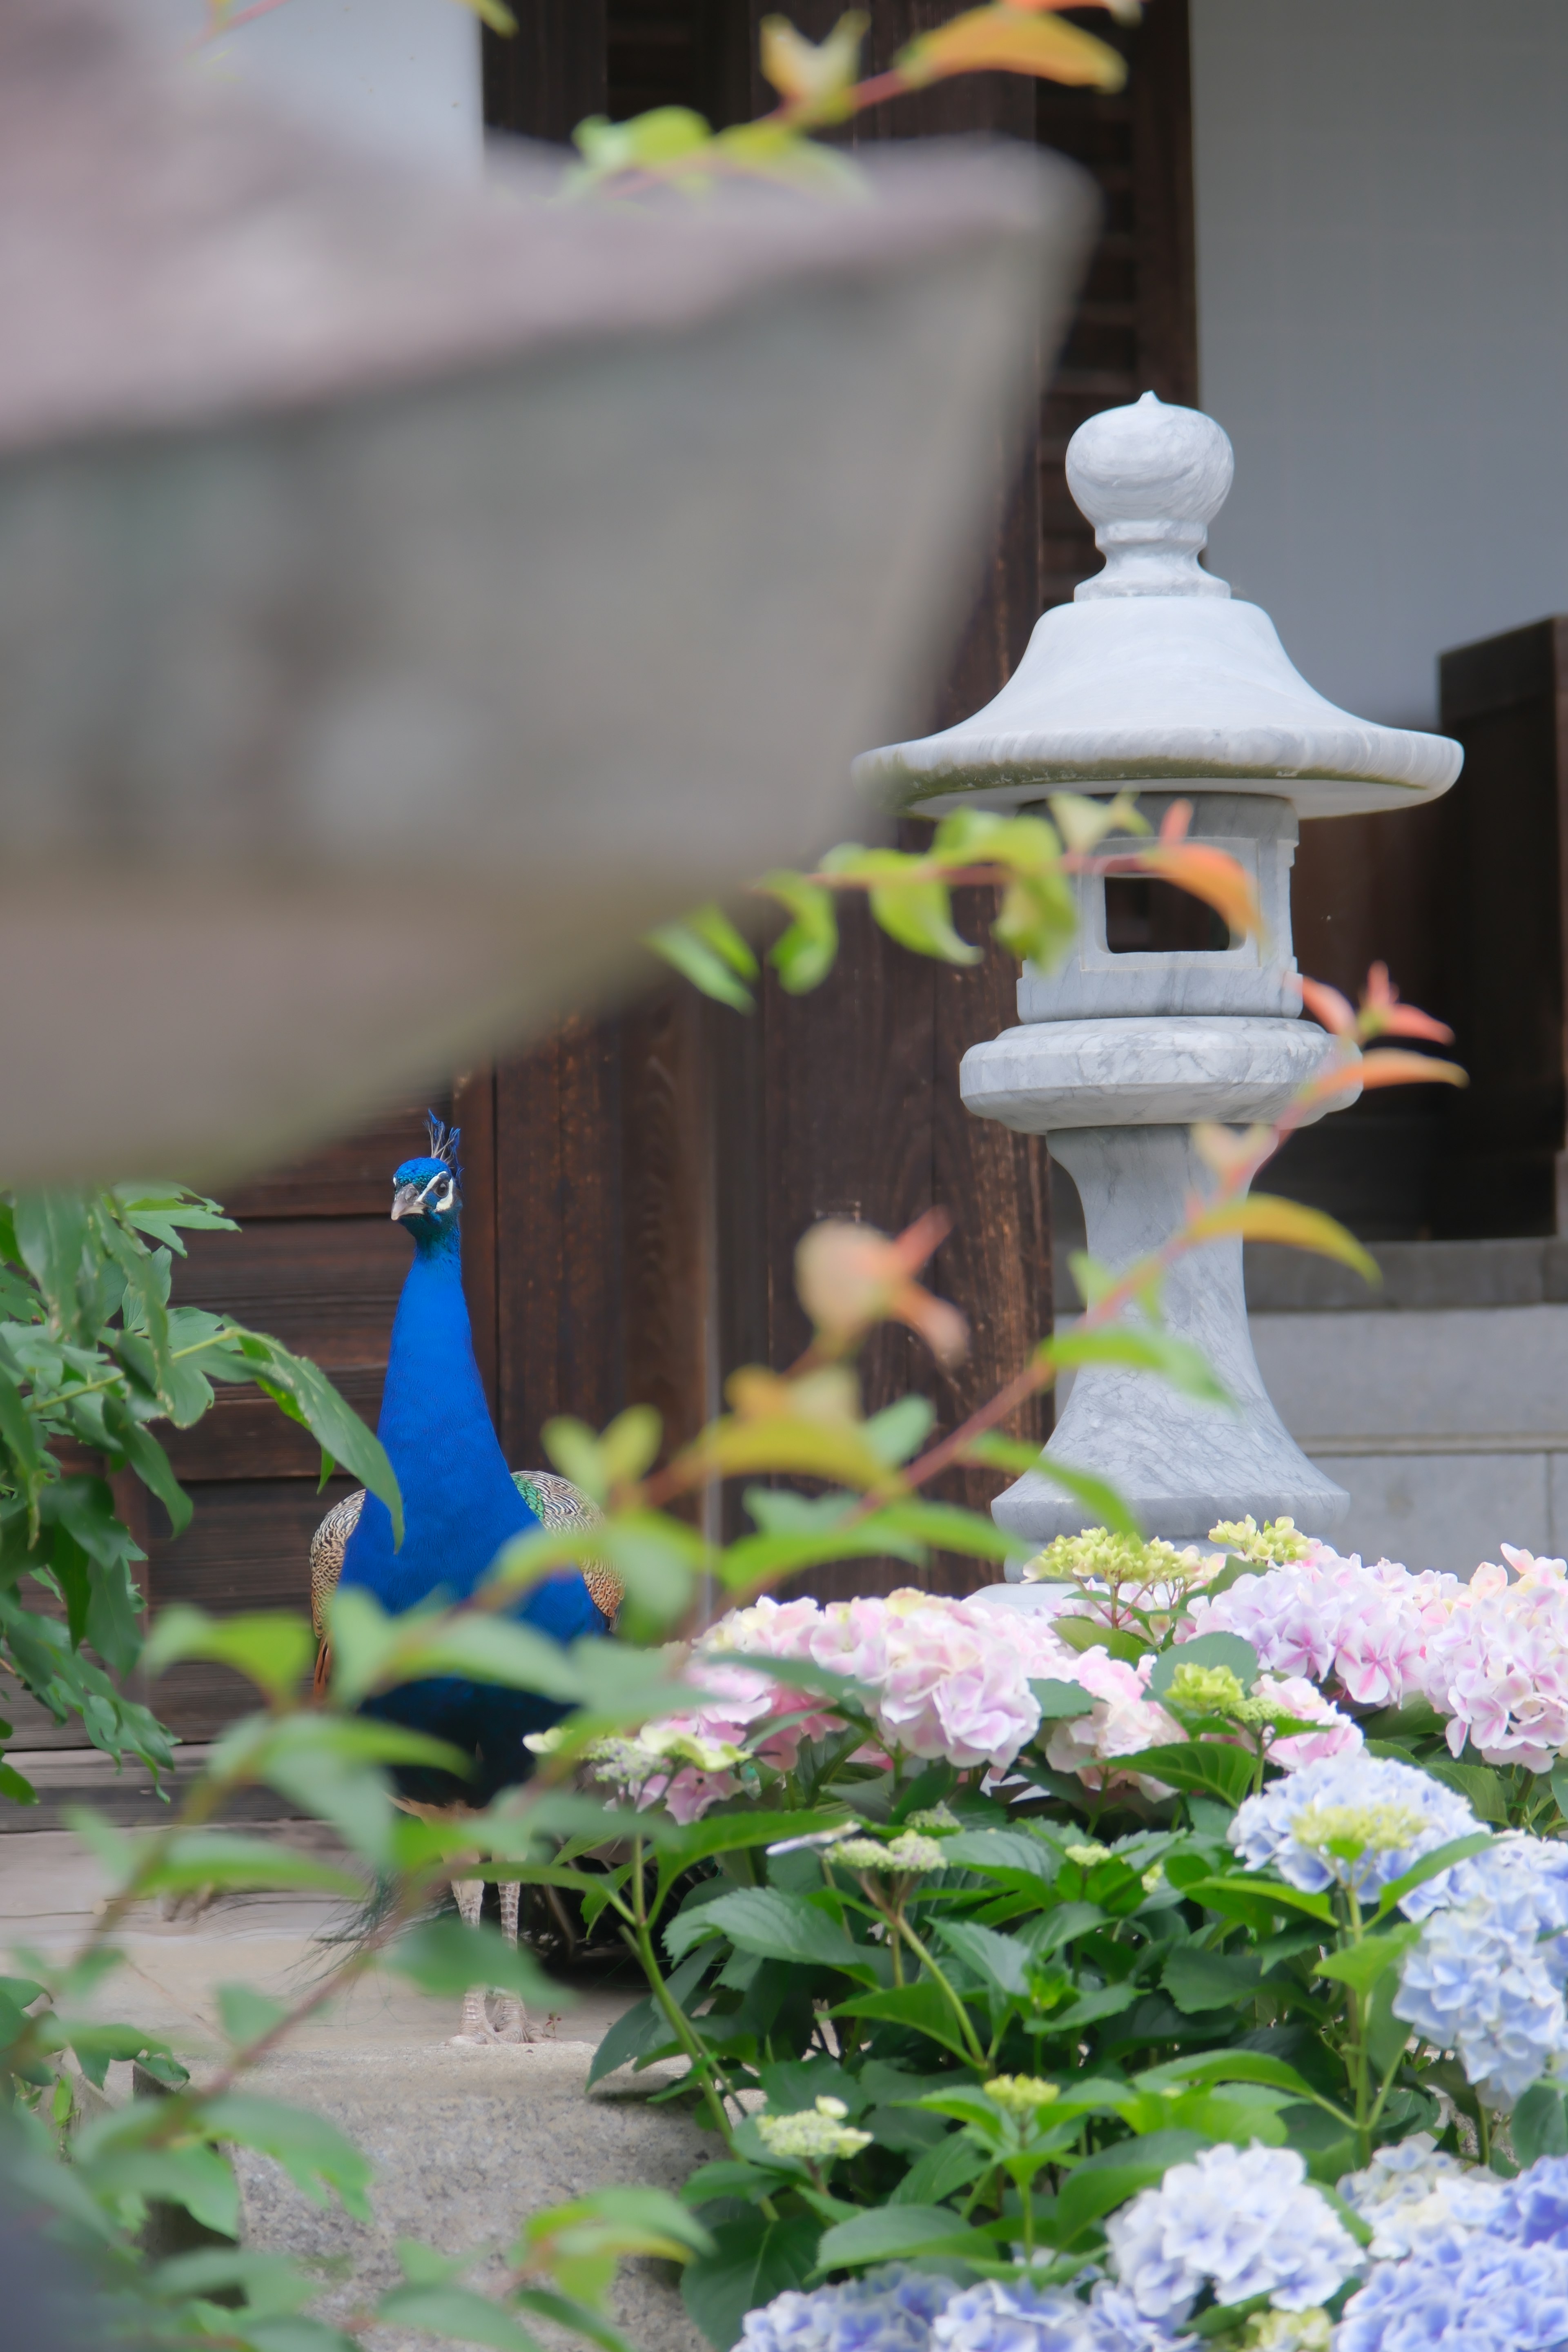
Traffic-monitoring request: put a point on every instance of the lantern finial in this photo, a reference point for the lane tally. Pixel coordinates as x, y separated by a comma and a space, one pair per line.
1151, 478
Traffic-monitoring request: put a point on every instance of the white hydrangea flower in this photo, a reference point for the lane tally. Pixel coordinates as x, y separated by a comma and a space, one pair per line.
1412, 2193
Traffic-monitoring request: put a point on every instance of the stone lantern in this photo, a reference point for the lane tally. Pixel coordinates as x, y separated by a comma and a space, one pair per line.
1155, 679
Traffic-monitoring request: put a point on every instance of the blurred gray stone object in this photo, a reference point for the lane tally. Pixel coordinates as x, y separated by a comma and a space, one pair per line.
410, 593
46, 2307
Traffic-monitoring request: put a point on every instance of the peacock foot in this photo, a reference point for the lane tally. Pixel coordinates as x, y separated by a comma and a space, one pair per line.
512, 2022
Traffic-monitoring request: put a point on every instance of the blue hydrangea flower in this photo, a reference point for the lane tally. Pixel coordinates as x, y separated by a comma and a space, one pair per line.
1019, 2317
1396, 1812
889, 2310
1486, 1977
1533, 2210
1244, 2222
1463, 2293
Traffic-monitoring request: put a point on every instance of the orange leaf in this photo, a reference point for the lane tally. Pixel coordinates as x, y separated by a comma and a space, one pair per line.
1265, 1217
1175, 823
1382, 1016
1328, 1007
1210, 874
1389, 1066
1008, 41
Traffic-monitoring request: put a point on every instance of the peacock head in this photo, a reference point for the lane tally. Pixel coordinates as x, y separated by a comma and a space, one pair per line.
427, 1193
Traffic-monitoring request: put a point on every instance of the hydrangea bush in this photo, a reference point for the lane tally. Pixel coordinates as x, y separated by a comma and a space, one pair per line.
1178, 1958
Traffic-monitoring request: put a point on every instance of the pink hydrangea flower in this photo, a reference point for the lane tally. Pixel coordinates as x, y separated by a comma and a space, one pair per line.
1326, 1617
1499, 1665
1124, 1720
1294, 1696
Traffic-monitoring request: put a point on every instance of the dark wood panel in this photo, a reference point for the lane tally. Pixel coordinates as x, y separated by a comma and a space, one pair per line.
542, 79
246, 1436
559, 1236
351, 1178
327, 1285
670, 1257
1135, 330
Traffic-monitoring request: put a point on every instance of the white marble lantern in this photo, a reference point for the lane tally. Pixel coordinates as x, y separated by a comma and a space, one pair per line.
1155, 678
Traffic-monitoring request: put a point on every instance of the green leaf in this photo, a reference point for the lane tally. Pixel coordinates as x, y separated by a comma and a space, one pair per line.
1000, 1961
754, 2259
228, 1862
247, 2014
1481, 1785
804, 954
314, 2154
447, 1958
1141, 1348
892, 2233
1559, 1788
954, 2163
643, 2029
1088, 1633
1197, 1980
1061, 1702
455, 2311
734, 1833
1212, 1766
1103, 1505
307, 1395
922, 2008
1540, 2123
51, 1231
1206, 1650
1360, 1965
778, 1926
696, 960
194, 2178
1431, 1865
951, 1528
918, 915
273, 1648
12, 1785
1108, 2178
1241, 1896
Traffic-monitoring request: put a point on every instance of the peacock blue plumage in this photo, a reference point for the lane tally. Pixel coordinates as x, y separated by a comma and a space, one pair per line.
460, 1502
461, 1506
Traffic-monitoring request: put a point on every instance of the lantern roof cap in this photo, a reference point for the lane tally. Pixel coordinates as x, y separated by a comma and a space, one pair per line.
1154, 673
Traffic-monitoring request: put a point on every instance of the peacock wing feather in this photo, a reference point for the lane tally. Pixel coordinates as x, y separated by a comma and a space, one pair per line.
554, 1501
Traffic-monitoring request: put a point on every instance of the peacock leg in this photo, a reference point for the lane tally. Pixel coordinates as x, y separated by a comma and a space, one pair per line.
514, 2025
476, 2026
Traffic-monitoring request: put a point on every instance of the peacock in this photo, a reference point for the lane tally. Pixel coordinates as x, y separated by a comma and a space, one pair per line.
461, 1504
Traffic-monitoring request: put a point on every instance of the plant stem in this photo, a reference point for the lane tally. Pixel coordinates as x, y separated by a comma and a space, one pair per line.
966, 2024
675, 2016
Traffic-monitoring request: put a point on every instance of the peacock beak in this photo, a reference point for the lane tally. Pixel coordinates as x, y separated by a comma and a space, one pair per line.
405, 1202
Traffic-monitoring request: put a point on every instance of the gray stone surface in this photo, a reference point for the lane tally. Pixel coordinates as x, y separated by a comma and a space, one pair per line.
1452, 1377
1447, 1425
466, 2143
1050, 1076
1181, 1464
1253, 976
1416, 1276
1153, 672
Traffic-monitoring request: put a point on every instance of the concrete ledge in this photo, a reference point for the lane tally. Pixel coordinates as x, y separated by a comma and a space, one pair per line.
1417, 1276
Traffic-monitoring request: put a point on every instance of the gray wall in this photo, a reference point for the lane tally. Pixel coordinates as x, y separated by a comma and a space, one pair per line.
1381, 193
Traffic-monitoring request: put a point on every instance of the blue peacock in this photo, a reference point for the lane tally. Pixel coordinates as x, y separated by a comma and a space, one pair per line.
461, 1504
